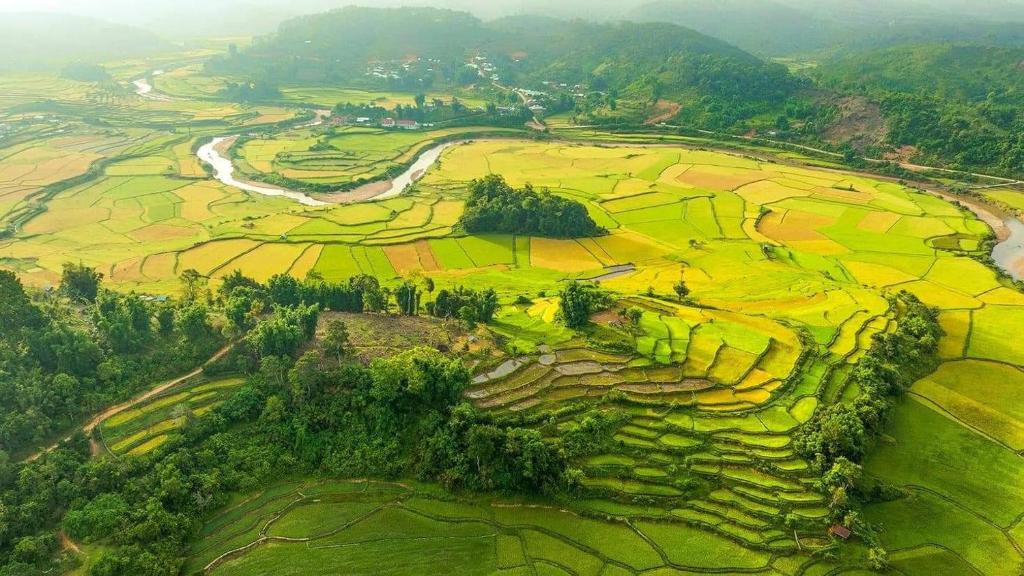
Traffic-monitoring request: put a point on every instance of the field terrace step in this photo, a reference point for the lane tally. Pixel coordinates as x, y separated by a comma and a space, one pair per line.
516, 395
532, 373
504, 370
568, 355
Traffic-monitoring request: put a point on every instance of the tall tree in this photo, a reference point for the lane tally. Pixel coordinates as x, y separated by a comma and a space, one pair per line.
80, 282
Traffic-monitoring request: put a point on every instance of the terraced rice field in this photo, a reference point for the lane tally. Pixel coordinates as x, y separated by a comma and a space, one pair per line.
299, 528
143, 428
792, 265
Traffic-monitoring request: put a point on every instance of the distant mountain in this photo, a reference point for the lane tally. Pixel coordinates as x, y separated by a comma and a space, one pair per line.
38, 40
198, 18
904, 12
759, 26
787, 27
665, 58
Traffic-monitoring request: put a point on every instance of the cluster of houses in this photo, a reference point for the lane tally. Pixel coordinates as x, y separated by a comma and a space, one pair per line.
578, 91
485, 68
388, 123
532, 98
398, 69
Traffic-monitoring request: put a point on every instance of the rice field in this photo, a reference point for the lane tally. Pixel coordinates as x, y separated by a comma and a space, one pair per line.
788, 268
299, 528
147, 426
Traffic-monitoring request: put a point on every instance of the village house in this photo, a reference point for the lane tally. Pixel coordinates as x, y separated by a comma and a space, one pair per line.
388, 123
408, 125
840, 531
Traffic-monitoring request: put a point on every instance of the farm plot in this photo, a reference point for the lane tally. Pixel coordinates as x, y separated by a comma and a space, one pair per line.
27, 168
144, 428
323, 528
788, 271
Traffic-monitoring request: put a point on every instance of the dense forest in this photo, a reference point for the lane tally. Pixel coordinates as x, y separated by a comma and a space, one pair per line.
83, 348
495, 206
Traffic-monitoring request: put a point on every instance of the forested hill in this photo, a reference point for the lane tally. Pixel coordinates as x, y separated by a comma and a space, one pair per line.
32, 41
961, 73
956, 103
678, 59
760, 26
788, 27
338, 45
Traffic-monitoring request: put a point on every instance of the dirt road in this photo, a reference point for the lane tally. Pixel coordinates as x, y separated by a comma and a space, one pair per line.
115, 410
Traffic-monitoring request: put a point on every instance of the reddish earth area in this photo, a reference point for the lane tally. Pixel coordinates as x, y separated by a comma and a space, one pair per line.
902, 154
663, 111
859, 123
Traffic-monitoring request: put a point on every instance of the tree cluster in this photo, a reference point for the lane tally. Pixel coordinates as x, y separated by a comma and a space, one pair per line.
61, 358
253, 91
578, 302
320, 414
469, 305
495, 206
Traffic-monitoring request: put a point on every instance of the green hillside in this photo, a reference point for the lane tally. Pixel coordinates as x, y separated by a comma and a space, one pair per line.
957, 103
33, 41
640, 62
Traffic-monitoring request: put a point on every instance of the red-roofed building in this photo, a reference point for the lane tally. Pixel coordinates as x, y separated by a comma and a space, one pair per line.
408, 125
840, 531
387, 123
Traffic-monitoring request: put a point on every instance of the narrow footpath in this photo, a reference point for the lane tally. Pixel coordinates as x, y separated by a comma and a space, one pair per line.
141, 398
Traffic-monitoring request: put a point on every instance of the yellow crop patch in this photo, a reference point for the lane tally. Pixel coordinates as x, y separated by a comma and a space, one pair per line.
205, 258
561, 255
878, 222
264, 261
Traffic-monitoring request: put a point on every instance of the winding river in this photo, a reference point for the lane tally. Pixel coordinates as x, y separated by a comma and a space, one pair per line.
215, 155
144, 88
1009, 254
224, 171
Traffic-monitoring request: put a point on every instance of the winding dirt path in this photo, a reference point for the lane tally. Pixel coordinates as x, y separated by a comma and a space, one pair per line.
66, 543
143, 397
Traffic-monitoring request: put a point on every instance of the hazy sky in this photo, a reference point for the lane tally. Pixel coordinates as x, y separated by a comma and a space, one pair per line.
200, 17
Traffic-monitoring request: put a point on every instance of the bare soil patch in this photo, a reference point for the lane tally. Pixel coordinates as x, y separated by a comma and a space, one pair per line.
860, 123
360, 194
902, 154
663, 111
380, 335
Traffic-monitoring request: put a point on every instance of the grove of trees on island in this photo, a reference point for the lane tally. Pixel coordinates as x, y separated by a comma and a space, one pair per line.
495, 206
